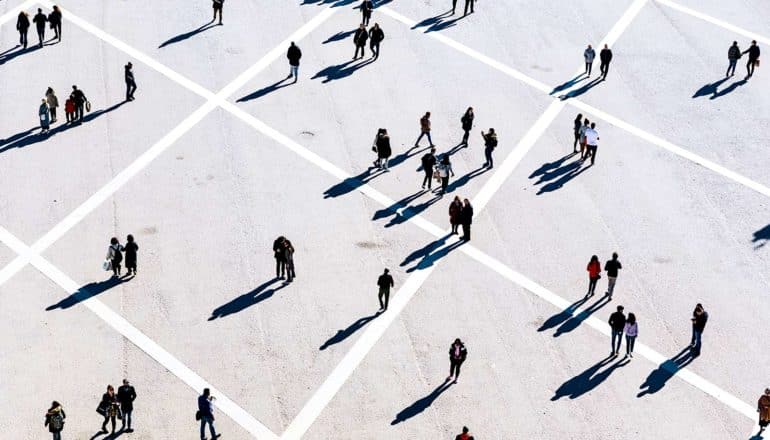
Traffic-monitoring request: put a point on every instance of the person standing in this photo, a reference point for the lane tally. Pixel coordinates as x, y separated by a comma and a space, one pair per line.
280, 257
454, 6
45, 121
699, 320
469, 3
605, 56
465, 434
428, 163
617, 324
115, 255
467, 123
733, 55
69, 109
359, 39
586, 126
126, 397
457, 355
22, 25
288, 250
376, 35
578, 124
54, 18
424, 130
455, 214
130, 83
588, 55
206, 411
40, 19
444, 171
384, 282
592, 141
383, 149
53, 102
466, 217
763, 408
366, 11
632, 331
490, 143
130, 248
54, 419
217, 6
612, 267
293, 54
753, 52
79, 98
111, 407
594, 270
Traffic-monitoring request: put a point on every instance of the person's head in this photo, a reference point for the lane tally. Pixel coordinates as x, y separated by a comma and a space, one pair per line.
130, 238
735, 43
55, 8
579, 117
491, 130
589, 46
44, 100
614, 255
281, 239
594, 258
457, 342
206, 392
457, 199
39, 10
74, 87
387, 270
384, 131
605, 46
753, 42
427, 114
586, 122
593, 124
125, 381
292, 44
631, 318
56, 404
50, 90
698, 308
470, 110
110, 389
129, 65
361, 26
767, 392
376, 25
114, 240
465, 429
467, 202
620, 309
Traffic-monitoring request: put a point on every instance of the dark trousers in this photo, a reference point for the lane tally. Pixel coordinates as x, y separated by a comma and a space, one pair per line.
750, 67
466, 231
588, 67
444, 184
604, 68
41, 34
280, 268
290, 269
630, 344
130, 89
455, 226
488, 156
363, 51
53, 113
79, 110
592, 284
374, 46
428, 178
116, 267
23, 38
591, 151
465, 136
454, 5
574, 144
384, 293
57, 435
367, 15
454, 367
696, 340
57, 31
469, 3
617, 336
108, 418
215, 14
127, 418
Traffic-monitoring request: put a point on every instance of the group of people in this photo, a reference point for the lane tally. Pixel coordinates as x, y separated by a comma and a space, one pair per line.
283, 251
461, 214
605, 56
74, 108
54, 19
587, 137
734, 54
594, 269
118, 405
374, 36
114, 259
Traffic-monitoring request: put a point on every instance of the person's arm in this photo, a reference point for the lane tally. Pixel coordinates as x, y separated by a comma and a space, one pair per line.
392, 283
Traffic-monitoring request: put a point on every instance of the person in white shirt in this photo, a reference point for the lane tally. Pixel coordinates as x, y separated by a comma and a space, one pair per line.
592, 139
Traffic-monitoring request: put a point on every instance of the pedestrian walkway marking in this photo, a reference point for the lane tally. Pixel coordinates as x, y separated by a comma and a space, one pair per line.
14, 12
715, 21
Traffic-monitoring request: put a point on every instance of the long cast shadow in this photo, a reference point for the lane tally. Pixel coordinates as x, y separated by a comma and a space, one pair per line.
562, 316
761, 237
588, 379
545, 169
574, 322
341, 334
665, 371
411, 211
186, 35
247, 300
577, 92
728, 89
568, 172
709, 89
339, 36
395, 207
462, 180
431, 253
90, 290
340, 71
333, 3
352, 183
439, 22
10, 55
266, 90
420, 405
401, 157
568, 84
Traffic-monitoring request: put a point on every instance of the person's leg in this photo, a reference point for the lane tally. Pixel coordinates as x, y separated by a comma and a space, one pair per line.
444, 183
633, 340
611, 285
211, 428
748, 68
620, 341
380, 294
58, 31
606, 70
419, 138
488, 155
472, 3
465, 137
387, 298
127, 415
203, 428
698, 336
430, 140
53, 114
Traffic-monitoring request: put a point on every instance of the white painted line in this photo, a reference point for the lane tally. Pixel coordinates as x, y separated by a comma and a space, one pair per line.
715, 21
14, 12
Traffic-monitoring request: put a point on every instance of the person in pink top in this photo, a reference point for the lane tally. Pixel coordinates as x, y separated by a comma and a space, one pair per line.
632, 330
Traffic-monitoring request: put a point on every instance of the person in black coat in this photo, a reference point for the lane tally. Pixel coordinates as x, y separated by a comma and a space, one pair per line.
22, 25
367, 6
217, 6
605, 56
111, 408
467, 123
40, 19
428, 163
79, 98
280, 257
753, 52
54, 419
384, 282
126, 397
293, 54
617, 324
130, 249
457, 355
54, 18
466, 219
359, 39
130, 83
383, 148
376, 35
577, 127
699, 320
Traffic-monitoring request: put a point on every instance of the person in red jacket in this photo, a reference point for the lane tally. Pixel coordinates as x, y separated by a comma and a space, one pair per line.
466, 435
594, 269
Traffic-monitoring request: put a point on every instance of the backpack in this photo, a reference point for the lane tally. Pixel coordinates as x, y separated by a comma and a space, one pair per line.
492, 141
56, 421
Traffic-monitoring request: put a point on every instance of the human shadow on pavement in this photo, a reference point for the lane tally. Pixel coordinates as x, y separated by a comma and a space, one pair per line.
589, 379
16, 51
465, 178
431, 253
353, 183
421, 405
254, 297
341, 334
568, 84
439, 22
186, 35
545, 171
665, 371
452, 151
728, 89
33, 136
399, 205
579, 91
90, 290
267, 90
761, 237
339, 71
410, 211
557, 174
333, 3
401, 157
709, 89
574, 322
339, 36
562, 316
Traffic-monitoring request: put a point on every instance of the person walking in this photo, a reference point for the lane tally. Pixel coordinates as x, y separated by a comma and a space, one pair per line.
45, 121
109, 407
54, 18
217, 6
466, 218
753, 52
130, 82
469, 3
592, 141
454, 6
69, 109
733, 55
40, 20
588, 55
465, 434
53, 103
467, 123
424, 130
455, 214
457, 355
126, 397
115, 255
288, 251
444, 171
54, 419
22, 25
490, 143
605, 56
632, 331
428, 163
383, 149
367, 6
294, 54
384, 282
612, 267
359, 39
699, 319
582, 133
763, 408
79, 98
280, 257
206, 412
594, 270
130, 248
617, 324
376, 35
578, 125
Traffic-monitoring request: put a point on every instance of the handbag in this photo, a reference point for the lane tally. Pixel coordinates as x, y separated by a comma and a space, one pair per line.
102, 409
197, 415
107, 265
88, 106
